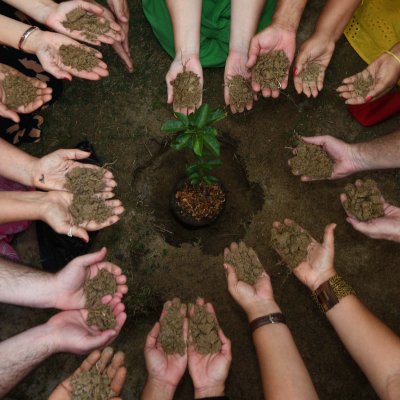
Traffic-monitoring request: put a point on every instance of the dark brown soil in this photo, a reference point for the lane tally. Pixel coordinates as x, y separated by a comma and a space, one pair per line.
19, 91
270, 69
202, 201
365, 202
171, 334
187, 90
85, 181
363, 85
204, 331
78, 58
291, 243
102, 284
239, 91
90, 385
91, 25
312, 161
102, 316
247, 265
310, 73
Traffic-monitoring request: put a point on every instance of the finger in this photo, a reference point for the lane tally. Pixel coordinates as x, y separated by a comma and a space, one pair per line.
120, 321
185, 328
89, 362
152, 336
79, 232
313, 89
298, 84
329, 237
91, 258
117, 362
7, 113
170, 90
121, 12
321, 77
106, 356
123, 55
226, 344
350, 79
266, 92
318, 140
200, 301
306, 89
118, 381
91, 8
231, 277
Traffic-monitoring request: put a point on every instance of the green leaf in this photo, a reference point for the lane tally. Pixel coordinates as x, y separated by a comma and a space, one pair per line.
216, 115
173, 126
195, 181
197, 142
192, 119
202, 116
183, 118
210, 179
211, 131
190, 169
181, 141
212, 144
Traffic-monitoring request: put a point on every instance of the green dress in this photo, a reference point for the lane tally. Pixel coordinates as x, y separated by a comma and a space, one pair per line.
214, 32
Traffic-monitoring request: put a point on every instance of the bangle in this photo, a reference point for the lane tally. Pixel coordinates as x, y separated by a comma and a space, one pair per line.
393, 55
275, 318
25, 36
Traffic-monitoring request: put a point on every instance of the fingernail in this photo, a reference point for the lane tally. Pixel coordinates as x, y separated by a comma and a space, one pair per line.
368, 99
295, 71
66, 79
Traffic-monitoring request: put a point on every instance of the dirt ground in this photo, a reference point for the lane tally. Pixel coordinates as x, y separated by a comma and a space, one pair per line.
122, 116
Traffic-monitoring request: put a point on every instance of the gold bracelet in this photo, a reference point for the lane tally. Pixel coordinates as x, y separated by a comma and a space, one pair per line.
393, 55
25, 36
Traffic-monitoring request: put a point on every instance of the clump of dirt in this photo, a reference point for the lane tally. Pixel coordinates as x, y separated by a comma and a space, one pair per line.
364, 202
89, 208
204, 331
270, 69
91, 385
19, 91
89, 24
240, 91
187, 89
312, 161
291, 243
202, 201
362, 85
78, 58
310, 73
247, 265
171, 334
102, 284
102, 316
85, 181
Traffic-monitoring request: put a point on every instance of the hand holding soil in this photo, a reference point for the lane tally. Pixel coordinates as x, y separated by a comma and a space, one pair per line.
102, 373
20, 94
356, 88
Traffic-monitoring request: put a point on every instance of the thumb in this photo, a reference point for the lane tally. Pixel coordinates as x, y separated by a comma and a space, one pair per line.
254, 51
91, 258
231, 276
120, 12
329, 237
99, 341
75, 154
7, 113
81, 233
318, 140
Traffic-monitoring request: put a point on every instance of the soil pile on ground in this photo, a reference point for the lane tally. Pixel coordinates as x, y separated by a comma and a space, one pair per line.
312, 161
91, 385
240, 91
89, 24
78, 58
19, 91
291, 243
187, 89
202, 201
171, 333
86, 184
270, 69
204, 331
310, 73
247, 265
362, 85
364, 202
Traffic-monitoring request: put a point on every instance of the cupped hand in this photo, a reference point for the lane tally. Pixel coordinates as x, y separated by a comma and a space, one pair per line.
384, 71
345, 156
209, 371
58, 15
273, 38
189, 62
105, 362
55, 212
49, 172
69, 283
317, 49
43, 94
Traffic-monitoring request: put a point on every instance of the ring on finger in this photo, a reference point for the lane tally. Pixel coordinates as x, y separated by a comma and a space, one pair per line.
69, 234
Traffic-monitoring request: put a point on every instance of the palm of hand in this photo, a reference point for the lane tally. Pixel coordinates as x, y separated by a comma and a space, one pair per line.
340, 154
384, 74
58, 215
274, 38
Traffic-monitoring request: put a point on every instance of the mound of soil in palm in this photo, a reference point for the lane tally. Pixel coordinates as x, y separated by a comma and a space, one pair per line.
19, 91
362, 85
310, 73
204, 331
240, 91
270, 69
171, 333
187, 90
364, 202
247, 265
91, 385
102, 316
291, 243
89, 24
78, 58
102, 284
312, 161
85, 181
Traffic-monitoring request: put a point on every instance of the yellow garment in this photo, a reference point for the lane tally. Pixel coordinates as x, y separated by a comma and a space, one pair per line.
374, 28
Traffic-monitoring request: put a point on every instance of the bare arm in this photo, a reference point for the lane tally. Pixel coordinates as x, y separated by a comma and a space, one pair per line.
11, 31
288, 14
36, 9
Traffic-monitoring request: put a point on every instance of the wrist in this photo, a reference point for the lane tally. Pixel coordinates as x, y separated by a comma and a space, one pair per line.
186, 55
48, 335
45, 205
156, 389
261, 308
209, 391
32, 43
43, 11
322, 278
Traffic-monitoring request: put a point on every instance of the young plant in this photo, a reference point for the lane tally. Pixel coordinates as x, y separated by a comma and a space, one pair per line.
197, 134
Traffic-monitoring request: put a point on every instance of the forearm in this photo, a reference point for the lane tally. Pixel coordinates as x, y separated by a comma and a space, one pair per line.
374, 347
186, 20
244, 21
36, 9
20, 354
288, 14
157, 391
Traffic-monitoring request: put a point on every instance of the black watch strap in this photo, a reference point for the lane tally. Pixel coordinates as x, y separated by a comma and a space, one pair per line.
275, 318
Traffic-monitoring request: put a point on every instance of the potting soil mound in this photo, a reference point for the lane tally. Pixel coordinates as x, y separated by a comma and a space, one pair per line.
239, 91
187, 89
78, 58
312, 161
171, 333
204, 331
102, 316
310, 73
364, 202
85, 180
247, 265
90, 385
102, 284
201, 202
363, 85
19, 91
291, 243
271, 69
89, 24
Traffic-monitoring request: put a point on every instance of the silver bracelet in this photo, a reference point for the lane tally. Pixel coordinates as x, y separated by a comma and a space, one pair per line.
25, 36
